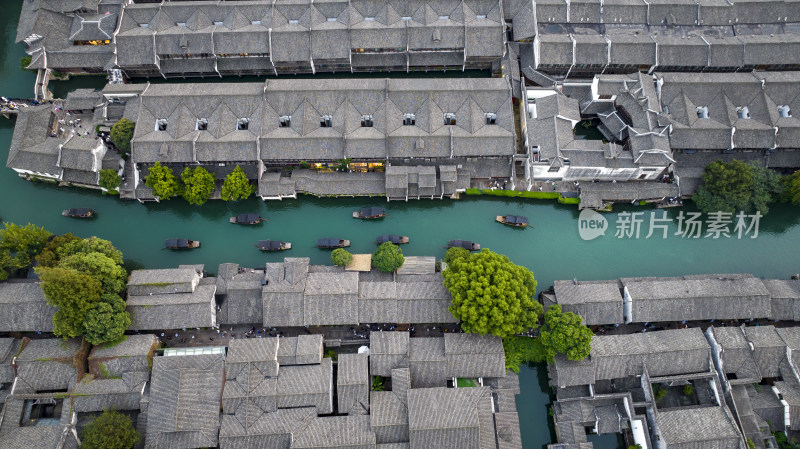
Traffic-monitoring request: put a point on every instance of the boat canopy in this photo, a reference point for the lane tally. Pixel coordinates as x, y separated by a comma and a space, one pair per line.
247, 218
516, 219
176, 243
327, 243
389, 238
372, 212
466, 244
269, 244
79, 211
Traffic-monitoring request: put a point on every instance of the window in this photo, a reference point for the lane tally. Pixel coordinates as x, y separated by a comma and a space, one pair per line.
201, 124
294, 21
444, 17
161, 124
242, 124
144, 25
255, 22
286, 121
480, 16
218, 23
405, 18
366, 121
449, 118
369, 19
702, 111
743, 112
784, 111
332, 19
491, 118
409, 119
180, 24
326, 121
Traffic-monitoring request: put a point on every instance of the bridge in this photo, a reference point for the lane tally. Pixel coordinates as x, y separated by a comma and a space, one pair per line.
11, 106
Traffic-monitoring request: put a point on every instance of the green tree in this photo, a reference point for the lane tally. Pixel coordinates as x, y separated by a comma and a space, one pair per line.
727, 186
492, 295
519, 351
791, 185
49, 255
73, 293
377, 383
122, 133
388, 257
109, 179
163, 182
112, 277
18, 246
236, 186
107, 321
198, 185
110, 430
454, 253
91, 245
341, 257
24, 62
564, 333
767, 187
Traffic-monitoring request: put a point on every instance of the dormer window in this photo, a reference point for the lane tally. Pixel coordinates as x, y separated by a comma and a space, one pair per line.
366, 121
702, 111
201, 124
326, 121
332, 19
480, 16
144, 25
294, 21
784, 111
405, 18
286, 121
743, 112
242, 124
218, 23
444, 17
161, 124
369, 19
255, 22
409, 119
180, 24
449, 118
491, 118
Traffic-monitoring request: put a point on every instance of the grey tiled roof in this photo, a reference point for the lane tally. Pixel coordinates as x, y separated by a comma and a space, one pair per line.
184, 401
336, 432
388, 350
473, 356
127, 356
388, 417
300, 350
46, 364
32, 148
162, 281
353, 383
24, 308
96, 395
710, 426
84, 99
598, 302
174, 311
447, 417
306, 386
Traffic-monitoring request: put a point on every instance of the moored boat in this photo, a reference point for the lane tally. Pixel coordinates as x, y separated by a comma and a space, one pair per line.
466, 244
78, 212
370, 213
273, 245
249, 219
333, 243
517, 221
181, 244
396, 239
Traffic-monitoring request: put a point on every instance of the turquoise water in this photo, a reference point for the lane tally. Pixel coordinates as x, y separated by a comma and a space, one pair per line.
553, 249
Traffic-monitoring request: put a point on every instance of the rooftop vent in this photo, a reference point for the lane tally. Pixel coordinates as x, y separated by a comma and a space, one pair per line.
784, 111
702, 111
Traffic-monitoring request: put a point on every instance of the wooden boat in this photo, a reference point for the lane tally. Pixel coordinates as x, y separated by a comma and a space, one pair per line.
466, 244
370, 213
181, 244
396, 239
249, 219
78, 212
332, 243
517, 221
273, 245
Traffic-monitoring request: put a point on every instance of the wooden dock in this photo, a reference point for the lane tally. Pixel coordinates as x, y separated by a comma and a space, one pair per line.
418, 265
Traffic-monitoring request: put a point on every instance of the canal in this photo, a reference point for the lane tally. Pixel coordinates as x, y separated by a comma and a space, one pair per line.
553, 249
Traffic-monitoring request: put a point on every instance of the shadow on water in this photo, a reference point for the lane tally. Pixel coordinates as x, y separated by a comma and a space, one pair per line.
533, 402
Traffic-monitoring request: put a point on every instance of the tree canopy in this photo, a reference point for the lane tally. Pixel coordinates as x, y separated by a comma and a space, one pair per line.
91, 245
563, 333
388, 257
341, 257
163, 182
736, 185
792, 188
236, 186
19, 245
198, 185
73, 293
110, 430
109, 179
107, 321
492, 295
112, 277
122, 133
49, 256
454, 253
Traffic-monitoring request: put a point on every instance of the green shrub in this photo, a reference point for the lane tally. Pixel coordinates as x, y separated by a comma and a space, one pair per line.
688, 389
659, 392
563, 200
24, 62
341, 257
526, 194
388, 257
111, 430
109, 179
377, 383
